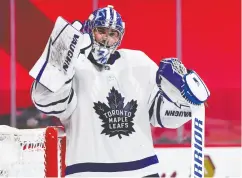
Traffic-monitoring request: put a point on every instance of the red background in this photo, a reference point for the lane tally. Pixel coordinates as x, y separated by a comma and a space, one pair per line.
210, 46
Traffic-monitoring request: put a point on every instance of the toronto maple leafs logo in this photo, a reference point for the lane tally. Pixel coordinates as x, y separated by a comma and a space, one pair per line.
117, 119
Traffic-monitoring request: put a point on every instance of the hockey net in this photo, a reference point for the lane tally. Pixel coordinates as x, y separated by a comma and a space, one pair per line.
32, 152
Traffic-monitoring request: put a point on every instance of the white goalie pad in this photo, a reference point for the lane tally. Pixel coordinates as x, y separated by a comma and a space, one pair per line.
56, 64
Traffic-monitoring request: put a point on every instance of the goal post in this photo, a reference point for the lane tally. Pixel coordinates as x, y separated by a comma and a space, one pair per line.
32, 152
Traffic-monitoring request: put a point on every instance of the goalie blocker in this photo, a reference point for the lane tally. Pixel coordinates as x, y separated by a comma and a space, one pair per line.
56, 64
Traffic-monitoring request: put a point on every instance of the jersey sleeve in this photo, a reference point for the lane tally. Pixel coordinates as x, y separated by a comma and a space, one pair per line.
60, 104
163, 112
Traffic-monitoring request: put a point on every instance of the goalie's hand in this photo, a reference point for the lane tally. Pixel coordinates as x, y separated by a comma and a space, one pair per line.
178, 83
56, 65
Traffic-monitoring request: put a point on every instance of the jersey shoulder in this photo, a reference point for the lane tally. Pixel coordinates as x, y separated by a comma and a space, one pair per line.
134, 56
137, 58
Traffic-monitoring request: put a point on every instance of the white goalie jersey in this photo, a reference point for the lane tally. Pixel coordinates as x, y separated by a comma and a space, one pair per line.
107, 113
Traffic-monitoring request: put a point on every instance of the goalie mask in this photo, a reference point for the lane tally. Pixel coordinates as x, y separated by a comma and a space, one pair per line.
106, 27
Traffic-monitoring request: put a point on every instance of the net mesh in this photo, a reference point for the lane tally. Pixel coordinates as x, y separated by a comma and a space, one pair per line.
22, 152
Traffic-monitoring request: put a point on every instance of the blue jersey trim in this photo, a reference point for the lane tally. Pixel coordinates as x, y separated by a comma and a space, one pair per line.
111, 167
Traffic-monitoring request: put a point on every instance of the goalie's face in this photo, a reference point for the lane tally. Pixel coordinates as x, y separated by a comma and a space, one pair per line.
106, 27
106, 37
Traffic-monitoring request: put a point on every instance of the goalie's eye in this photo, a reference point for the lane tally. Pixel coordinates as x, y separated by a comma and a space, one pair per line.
100, 30
107, 31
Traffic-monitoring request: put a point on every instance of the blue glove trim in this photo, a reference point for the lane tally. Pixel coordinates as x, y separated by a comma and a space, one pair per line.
189, 95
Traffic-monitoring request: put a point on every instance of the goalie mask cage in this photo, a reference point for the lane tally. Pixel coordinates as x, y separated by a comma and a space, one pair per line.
32, 152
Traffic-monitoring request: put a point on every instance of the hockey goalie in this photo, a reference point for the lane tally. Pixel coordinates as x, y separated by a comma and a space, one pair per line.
107, 97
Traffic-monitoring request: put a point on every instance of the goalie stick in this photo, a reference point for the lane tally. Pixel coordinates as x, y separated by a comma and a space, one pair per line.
197, 143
